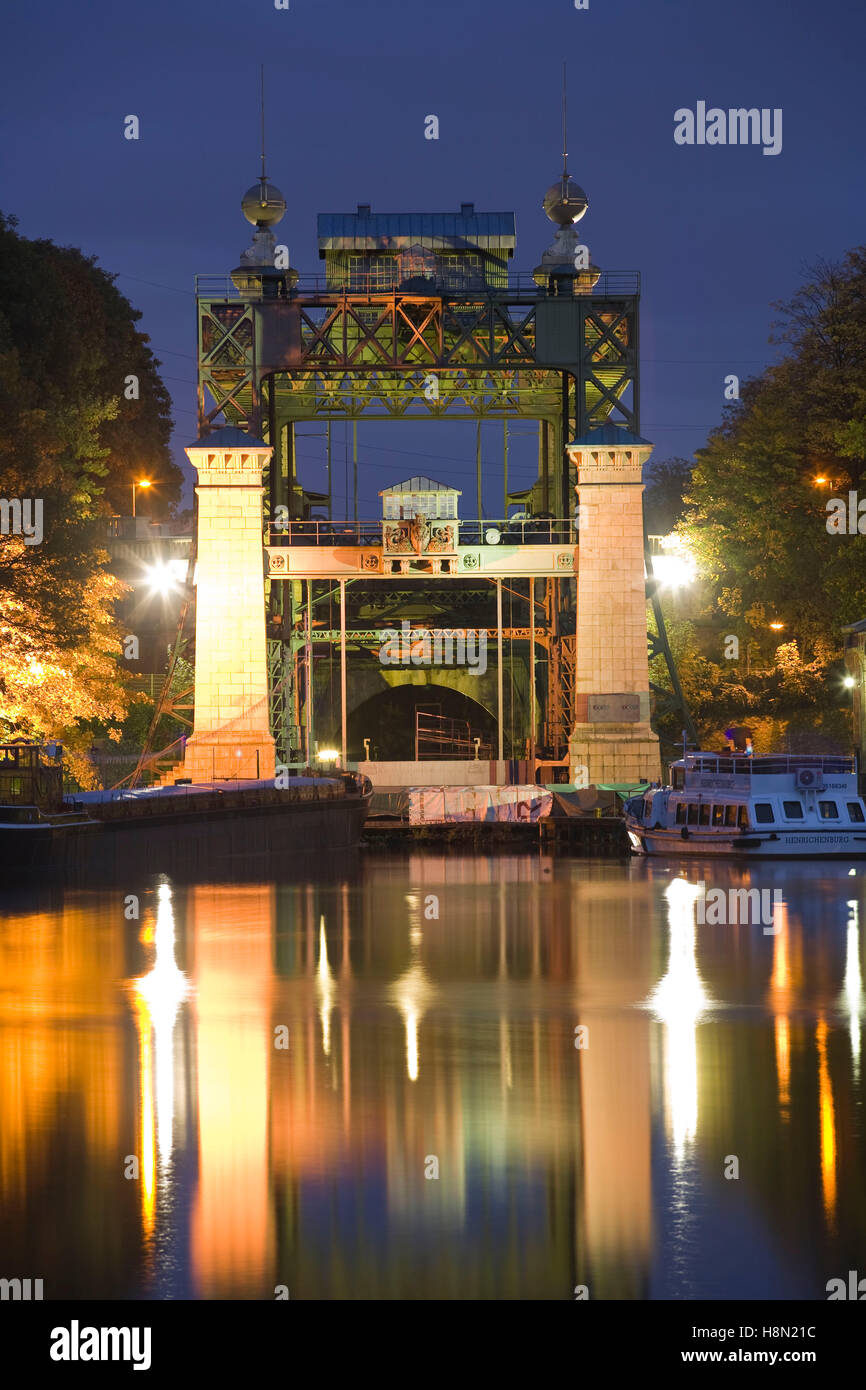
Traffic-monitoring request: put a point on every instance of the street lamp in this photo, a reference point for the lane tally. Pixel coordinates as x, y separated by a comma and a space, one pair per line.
142, 482
165, 578
675, 566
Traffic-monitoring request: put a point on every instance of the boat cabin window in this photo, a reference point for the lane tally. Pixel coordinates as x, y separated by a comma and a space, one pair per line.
793, 810
647, 807
742, 818
763, 813
681, 813
693, 813
678, 778
730, 815
718, 815
828, 810
705, 813
855, 811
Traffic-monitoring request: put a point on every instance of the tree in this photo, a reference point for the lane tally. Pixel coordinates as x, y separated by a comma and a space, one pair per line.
756, 519
58, 644
79, 348
64, 331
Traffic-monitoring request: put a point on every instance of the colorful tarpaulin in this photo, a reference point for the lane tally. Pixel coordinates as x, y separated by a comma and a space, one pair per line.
443, 805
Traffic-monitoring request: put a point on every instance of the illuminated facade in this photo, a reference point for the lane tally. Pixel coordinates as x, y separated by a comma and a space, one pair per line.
612, 735
418, 319
231, 736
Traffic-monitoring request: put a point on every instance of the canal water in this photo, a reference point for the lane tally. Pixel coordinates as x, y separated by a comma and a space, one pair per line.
434, 1076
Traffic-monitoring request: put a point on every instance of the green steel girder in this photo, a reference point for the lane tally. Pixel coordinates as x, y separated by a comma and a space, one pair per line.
458, 394
279, 688
569, 361
305, 337
304, 396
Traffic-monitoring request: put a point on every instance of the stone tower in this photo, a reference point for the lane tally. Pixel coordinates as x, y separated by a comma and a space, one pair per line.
612, 736
231, 737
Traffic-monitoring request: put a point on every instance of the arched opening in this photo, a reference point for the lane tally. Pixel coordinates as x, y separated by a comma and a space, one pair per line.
388, 720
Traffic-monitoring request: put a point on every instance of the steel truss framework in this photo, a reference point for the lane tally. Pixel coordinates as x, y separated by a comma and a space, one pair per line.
272, 363
554, 650
570, 362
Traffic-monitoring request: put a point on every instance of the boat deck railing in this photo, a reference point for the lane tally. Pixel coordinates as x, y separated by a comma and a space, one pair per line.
767, 765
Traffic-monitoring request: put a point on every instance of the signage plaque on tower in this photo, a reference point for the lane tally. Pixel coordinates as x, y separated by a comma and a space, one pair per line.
613, 709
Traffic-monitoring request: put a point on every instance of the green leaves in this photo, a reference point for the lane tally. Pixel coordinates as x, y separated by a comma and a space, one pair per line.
75, 341
68, 437
757, 518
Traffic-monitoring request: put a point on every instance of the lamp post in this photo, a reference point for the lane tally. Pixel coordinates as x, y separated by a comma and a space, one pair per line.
852, 708
142, 482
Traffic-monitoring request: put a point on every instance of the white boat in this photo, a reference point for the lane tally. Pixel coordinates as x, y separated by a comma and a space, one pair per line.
782, 806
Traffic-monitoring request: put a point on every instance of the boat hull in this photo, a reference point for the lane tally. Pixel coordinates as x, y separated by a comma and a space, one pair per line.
188, 841
781, 844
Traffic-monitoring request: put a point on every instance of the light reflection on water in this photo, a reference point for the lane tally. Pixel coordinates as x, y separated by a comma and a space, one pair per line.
430, 1005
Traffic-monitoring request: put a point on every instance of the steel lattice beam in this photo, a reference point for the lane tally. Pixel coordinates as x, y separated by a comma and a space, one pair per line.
304, 339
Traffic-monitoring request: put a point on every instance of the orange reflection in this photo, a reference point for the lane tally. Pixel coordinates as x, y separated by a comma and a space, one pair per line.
828, 1126
783, 1062
60, 1045
781, 978
779, 999
614, 1075
146, 1120
231, 1238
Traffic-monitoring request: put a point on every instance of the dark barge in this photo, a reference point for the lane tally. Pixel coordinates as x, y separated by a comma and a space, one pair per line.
39, 825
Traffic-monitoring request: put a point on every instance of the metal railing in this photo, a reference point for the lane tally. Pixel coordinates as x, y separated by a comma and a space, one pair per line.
440, 737
536, 530
611, 284
769, 764
533, 530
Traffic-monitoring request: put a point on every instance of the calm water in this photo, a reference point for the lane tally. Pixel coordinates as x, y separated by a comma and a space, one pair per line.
417, 1041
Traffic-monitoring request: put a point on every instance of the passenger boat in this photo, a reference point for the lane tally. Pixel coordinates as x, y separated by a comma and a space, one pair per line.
40, 825
802, 806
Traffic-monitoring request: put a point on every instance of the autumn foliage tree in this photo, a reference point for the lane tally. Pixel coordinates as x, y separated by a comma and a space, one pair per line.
67, 342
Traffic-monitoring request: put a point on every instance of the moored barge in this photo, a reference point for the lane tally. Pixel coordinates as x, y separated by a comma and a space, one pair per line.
40, 825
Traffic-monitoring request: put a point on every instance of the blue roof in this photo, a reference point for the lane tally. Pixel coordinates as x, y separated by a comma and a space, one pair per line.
610, 435
370, 231
228, 437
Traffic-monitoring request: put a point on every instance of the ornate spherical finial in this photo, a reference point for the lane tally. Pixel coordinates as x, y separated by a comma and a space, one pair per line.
263, 204
565, 202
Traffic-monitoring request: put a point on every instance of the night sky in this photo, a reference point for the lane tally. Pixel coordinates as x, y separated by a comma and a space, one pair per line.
718, 233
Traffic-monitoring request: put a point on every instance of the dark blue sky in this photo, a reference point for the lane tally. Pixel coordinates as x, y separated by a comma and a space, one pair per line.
717, 233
